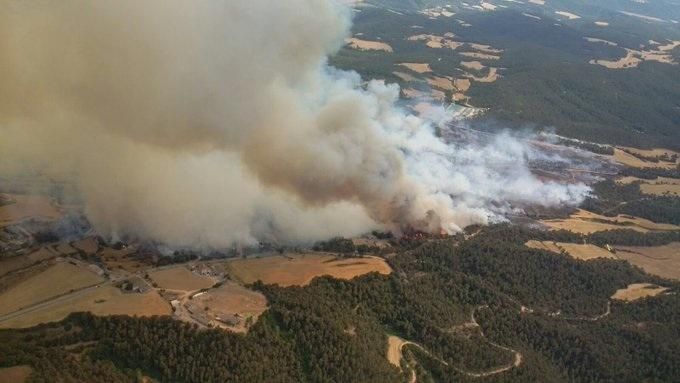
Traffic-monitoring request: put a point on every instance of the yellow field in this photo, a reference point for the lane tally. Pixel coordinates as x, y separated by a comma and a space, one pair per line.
27, 206
637, 291
106, 300
663, 261
576, 250
301, 269
366, 45
56, 280
585, 222
180, 278
658, 186
15, 374
630, 160
418, 67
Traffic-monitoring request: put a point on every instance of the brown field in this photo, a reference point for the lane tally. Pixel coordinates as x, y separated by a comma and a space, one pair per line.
663, 261
585, 222
413, 93
575, 250
106, 300
122, 259
27, 206
476, 65
491, 76
88, 245
462, 84
418, 67
437, 42
59, 279
299, 270
233, 299
180, 278
394, 347
366, 45
15, 374
637, 291
9, 264
441, 83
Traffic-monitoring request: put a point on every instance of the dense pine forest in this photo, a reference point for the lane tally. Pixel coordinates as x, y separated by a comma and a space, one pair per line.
542, 306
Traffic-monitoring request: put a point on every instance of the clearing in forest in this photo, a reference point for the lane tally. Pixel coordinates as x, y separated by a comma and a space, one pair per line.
657, 186
300, 269
180, 278
637, 291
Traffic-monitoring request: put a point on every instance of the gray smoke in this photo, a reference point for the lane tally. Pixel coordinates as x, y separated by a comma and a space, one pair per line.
212, 122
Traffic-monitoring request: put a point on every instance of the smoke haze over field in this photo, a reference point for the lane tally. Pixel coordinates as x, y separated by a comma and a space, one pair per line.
213, 122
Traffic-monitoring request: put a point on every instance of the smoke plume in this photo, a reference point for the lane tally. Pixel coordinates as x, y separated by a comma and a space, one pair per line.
213, 122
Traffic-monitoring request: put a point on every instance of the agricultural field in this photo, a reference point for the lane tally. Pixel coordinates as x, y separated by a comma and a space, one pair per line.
180, 278
15, 374
585, 222
59, 279
27, 206
578, 251
104, 300
240, 305
658, 186
663, 261
10, 264
637, 291
299, 270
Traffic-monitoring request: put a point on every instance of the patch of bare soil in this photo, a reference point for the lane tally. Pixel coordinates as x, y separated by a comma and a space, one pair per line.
575, 250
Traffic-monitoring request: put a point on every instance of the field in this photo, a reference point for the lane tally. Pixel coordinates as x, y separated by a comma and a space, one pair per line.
658, 186
585, 222
88, 245
106, 300
663, 261
637, 291
121, 259
15, 374
232, 299
394, 346
630, 160
56, 280
7, 265
578, 251
299, 270
27, 206
180, 278
355, 43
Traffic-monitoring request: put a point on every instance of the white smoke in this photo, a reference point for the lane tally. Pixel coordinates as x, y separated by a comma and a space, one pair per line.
218, 121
